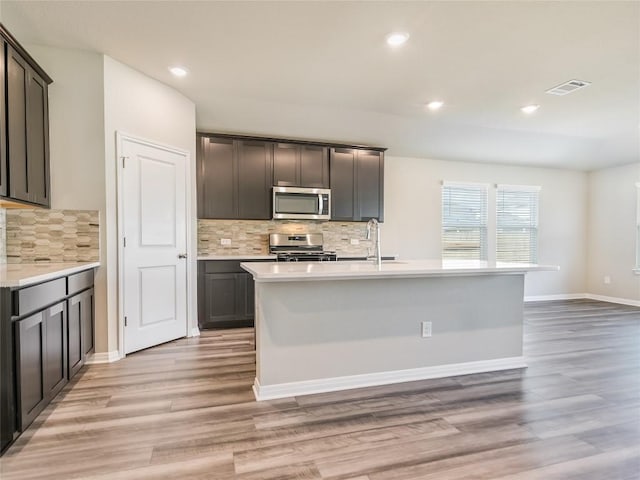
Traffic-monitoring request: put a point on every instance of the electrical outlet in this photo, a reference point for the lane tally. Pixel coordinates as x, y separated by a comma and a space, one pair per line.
355, 241
607, 279
426, 329
225, 241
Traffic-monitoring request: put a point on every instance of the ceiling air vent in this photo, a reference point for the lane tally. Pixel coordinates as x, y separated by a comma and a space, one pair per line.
568, 87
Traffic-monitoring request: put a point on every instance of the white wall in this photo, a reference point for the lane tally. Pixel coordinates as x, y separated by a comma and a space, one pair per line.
413, 214
612, 232
140, 106
91, 98
76, 143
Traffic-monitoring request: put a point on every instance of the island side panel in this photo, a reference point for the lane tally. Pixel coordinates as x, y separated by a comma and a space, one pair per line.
328, 329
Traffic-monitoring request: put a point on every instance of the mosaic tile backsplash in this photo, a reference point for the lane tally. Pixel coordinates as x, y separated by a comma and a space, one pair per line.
39, 235
251, 237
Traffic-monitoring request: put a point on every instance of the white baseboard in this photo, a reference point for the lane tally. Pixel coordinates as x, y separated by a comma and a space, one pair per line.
622, 301
307, 387
195, 332
586, 296
562, 296
103, 357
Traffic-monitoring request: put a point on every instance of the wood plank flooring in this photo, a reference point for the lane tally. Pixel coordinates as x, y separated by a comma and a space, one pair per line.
185, 410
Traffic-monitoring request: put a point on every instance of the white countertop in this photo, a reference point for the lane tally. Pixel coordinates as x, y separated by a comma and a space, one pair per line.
282, 272
273, 257
24, 274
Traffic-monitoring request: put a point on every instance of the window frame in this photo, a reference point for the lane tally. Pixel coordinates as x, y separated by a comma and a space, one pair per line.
533, 229
483, 228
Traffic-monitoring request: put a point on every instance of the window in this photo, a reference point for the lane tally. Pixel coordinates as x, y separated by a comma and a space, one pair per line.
517, 224
464, 221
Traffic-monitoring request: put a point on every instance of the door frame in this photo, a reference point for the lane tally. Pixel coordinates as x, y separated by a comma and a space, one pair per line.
121, 137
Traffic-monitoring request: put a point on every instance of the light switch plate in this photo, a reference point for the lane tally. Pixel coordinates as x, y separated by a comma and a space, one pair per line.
355, 241
225, 241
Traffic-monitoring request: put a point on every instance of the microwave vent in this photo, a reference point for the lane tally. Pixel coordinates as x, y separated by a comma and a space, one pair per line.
568, 87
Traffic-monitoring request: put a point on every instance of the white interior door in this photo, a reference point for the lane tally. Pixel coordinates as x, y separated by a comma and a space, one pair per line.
154, 227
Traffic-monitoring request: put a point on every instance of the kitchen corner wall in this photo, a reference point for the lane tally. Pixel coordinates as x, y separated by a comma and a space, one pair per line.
612, 232
91, 98
251, 237
413, 189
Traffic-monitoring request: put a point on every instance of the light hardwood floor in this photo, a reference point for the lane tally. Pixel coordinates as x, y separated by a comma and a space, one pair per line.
185, 410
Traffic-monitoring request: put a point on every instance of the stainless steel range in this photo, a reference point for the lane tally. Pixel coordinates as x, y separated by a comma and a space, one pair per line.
306, 247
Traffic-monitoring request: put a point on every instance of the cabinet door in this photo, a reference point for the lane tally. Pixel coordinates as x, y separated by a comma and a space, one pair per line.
3, 127
7, 372
75, 358
286, 164
55, 361
37, 139
41, 360
17, 73
342, 184
225, 300
314, 166
220, 299
87, 322
28, 131
249, 296
30, 368
80, 330
216, 178
254, 179
369, 185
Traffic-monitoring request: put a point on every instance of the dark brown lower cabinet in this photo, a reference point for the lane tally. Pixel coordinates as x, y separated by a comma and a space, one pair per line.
80, 330
41, 352
225, 295
46, 332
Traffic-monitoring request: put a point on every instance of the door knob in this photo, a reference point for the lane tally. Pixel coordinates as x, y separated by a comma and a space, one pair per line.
182, 255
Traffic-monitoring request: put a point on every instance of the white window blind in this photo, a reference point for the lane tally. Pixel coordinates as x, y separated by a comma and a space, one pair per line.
517, 223
464, 221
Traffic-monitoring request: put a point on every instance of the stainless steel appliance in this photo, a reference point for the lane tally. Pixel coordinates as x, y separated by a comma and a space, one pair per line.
300, 203
296, 247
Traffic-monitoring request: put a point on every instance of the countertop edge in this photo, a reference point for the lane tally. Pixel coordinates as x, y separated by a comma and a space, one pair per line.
408, 273
235, 257
63, 271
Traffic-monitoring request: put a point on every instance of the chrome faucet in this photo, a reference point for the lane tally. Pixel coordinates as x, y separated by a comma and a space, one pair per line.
370, 224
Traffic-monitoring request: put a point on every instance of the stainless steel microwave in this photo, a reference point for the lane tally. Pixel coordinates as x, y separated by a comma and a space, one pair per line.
299, 203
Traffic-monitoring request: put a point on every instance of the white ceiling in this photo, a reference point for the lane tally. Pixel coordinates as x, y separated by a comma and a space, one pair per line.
322, 70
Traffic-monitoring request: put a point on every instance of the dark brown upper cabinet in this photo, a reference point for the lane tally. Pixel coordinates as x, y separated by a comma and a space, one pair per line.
24, 168
4, 172
234, 178
236, 174
300, 165
357, 184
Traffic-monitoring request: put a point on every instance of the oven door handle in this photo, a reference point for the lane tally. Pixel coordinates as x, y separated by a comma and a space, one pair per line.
320, 204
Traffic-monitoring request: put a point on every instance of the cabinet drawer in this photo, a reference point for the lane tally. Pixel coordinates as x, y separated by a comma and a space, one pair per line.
227, 266
222, 266
79, 281
37, 297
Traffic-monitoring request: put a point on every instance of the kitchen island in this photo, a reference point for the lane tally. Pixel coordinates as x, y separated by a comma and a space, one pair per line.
337, 325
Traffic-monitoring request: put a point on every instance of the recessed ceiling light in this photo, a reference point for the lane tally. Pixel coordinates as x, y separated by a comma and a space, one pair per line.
435, 105
397, 38
529, 109
178, 71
